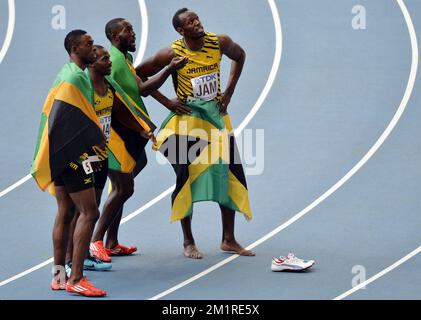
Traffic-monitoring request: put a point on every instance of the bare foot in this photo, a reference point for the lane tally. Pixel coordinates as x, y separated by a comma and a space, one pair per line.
235, 247
192, 252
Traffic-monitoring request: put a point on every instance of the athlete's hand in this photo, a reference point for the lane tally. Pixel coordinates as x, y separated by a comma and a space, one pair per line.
178, 107
178, 63
225, 101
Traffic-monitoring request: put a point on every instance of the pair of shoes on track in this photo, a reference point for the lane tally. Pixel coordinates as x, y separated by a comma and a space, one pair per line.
98, 251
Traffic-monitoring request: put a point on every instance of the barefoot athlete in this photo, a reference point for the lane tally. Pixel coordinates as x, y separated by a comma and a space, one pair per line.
198, 86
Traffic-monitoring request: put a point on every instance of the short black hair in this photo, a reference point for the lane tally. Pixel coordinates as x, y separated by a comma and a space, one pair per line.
98, 46
176, 22
73, 39
112, 27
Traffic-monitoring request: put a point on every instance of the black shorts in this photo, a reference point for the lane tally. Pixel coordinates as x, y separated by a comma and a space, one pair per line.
100, 177
74, 179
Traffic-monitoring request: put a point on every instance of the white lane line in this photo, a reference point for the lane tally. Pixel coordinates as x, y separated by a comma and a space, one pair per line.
259, 102
126, 219
380, 274
336, 186
10, 29
148, 205
144, 34
24, 273
273, 71
414, 45
3, 51
143, 42
139, 57
15, 185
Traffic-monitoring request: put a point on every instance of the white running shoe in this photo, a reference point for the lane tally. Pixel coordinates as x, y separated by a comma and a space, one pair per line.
290, 263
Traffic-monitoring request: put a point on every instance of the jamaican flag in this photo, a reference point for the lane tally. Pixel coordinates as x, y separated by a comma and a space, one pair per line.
69, 126
124, 74
202, 150
126, 146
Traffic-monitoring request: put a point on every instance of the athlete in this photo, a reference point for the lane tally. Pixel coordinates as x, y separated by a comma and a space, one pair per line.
103, 104
200, 80
64, 155
123, 41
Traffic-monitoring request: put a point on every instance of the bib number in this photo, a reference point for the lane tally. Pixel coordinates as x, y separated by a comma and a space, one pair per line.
205, 87
87, 167
106, 126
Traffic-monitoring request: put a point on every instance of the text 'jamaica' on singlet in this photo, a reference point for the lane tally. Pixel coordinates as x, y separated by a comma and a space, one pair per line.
200, 78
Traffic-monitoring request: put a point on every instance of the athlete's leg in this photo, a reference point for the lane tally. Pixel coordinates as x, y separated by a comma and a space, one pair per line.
85, 202
62, 224
112, 231
69, 254
228, 239
190, 249
122, 189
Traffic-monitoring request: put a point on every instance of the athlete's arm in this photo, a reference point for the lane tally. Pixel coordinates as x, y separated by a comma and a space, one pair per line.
238, 56
152, 84
156, 63
152, 66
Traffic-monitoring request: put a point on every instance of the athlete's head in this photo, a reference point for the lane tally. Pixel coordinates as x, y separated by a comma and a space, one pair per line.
102, 64
187, 23
120, 32
79, 43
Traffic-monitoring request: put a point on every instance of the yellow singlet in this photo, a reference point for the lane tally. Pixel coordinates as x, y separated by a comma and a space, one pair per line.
103, 108
200, 78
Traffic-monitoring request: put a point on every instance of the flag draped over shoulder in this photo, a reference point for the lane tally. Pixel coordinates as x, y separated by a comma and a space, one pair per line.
126, 149
69, 126
202, 150
124, 74
126, 146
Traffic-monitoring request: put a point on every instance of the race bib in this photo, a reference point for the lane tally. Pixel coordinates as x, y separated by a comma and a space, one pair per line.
106, 126
205, 87
87, 167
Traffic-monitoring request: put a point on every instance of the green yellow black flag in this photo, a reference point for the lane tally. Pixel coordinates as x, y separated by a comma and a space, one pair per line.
127, 149
69, 126
202, 150
126, 146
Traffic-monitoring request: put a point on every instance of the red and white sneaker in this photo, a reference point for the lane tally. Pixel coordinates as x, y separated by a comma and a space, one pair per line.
98, 251
120, 250
85, 288
290, 263
57, 285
